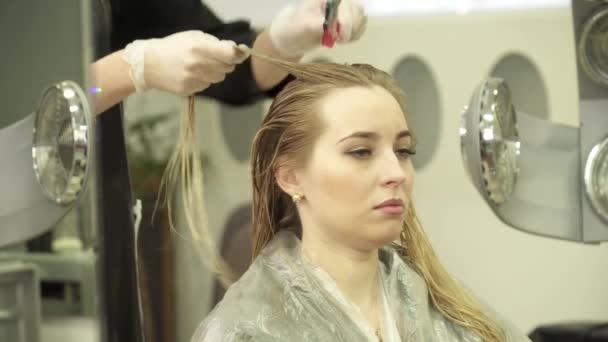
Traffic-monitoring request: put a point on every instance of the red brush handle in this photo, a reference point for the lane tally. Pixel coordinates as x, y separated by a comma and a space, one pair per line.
327, 39
330, 35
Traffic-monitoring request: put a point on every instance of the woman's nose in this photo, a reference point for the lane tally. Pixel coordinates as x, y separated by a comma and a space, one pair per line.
393, 171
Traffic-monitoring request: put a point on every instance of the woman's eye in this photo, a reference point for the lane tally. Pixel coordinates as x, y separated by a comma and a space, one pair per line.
404, 153
361, 153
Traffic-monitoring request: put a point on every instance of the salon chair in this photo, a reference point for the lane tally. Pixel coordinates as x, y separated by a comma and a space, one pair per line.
236, 246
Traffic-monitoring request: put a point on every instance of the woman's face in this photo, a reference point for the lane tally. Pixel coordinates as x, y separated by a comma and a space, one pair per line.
358, 181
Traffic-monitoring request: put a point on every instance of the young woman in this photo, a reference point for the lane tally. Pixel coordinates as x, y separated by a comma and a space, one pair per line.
333, 180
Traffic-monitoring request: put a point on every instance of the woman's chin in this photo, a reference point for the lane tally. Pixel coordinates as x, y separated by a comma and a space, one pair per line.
387, 234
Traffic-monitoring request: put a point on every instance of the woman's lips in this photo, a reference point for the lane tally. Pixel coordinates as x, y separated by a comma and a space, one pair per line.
392, 206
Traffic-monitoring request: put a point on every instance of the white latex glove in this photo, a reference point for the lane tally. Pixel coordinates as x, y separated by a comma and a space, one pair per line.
182, 63
298, 28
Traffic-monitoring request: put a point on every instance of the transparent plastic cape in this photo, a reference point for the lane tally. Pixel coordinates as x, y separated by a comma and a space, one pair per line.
279, 298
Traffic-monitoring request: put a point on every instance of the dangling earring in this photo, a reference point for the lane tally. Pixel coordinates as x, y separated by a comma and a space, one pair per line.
296, 198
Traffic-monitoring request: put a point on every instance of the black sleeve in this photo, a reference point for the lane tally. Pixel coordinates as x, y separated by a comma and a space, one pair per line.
142, 19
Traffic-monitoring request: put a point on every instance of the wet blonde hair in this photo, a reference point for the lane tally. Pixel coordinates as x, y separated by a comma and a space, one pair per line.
183, 180
288, 133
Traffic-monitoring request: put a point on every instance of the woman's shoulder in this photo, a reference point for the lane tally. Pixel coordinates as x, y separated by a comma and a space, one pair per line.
239, 316
248, 308
223, 329
409, 287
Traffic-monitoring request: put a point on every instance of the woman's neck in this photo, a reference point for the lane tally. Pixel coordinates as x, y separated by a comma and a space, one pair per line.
355, 272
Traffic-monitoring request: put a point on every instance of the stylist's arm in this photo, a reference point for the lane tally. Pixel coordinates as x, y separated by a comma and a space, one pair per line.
188, 62
182, 63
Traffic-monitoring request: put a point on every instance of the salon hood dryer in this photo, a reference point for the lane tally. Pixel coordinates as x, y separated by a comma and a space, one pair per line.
537, 176
45, 125
46, 163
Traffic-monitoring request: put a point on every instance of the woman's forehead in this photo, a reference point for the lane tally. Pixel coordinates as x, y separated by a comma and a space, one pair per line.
361, 109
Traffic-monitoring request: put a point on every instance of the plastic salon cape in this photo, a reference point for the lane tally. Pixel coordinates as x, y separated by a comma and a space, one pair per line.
282, 297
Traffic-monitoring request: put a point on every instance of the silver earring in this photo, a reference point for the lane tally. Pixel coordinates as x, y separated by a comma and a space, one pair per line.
296, 198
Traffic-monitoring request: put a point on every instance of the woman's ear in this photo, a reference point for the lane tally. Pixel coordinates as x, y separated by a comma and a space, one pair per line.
287, 180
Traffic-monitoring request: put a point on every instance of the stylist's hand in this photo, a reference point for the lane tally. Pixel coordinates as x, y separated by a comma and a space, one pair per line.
182, 63
298, 27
